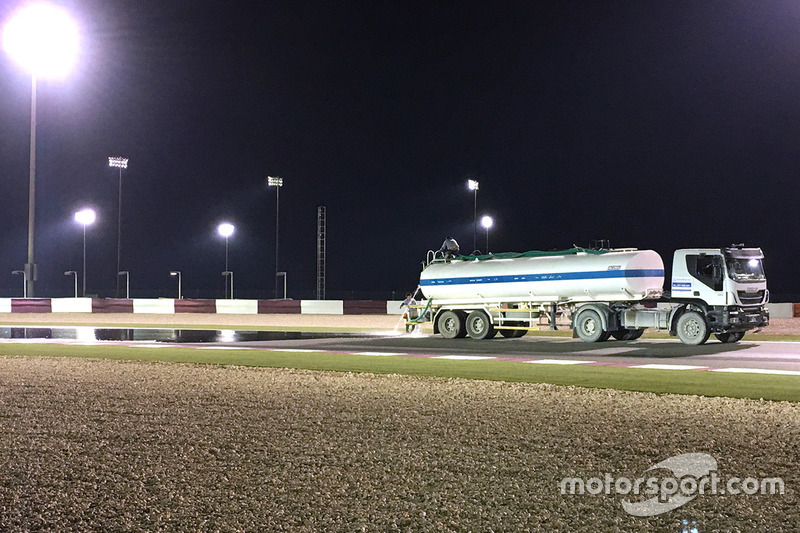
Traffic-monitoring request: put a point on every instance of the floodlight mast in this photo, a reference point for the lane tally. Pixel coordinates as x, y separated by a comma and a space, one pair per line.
487, 222
120, 163
44, 39
85, 217
226, 229
274, 181
473, 186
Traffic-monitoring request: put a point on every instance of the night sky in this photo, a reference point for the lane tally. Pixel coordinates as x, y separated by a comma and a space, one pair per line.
657, 125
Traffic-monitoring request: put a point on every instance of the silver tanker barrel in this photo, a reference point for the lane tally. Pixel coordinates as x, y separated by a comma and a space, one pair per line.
575, 275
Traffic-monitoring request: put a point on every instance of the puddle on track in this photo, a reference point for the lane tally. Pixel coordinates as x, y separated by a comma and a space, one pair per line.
181, 336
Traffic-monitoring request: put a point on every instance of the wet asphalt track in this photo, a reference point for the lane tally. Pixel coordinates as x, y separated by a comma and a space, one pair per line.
713, 355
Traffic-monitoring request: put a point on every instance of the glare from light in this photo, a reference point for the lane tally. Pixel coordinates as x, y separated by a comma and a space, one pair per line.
753, 263
487, 222
43, 38
274, 181
472, 184
226, 229
85, 217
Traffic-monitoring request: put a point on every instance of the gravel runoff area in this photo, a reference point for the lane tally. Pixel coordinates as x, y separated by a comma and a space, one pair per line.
98, 445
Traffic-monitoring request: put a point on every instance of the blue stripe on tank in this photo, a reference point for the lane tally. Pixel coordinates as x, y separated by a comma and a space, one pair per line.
555, 276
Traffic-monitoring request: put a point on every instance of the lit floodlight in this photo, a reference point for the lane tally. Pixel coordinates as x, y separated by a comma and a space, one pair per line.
118, 162
225, 229
43, 38
472, 184
487, 222
274, 181
85, 217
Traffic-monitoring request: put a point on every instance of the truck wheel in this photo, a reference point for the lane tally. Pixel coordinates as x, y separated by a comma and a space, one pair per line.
589, 327
514, 333
451, 325
729, 337
625, 334
479, 326
693, 329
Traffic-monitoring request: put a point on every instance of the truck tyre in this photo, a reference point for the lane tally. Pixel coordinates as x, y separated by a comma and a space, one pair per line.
451, 325
589, 327
625, 334
693, 329
730, 337
479, 326
514, 333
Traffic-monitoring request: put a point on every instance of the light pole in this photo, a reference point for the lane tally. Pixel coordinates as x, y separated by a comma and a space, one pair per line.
120, 163
487, 222
228, 274
473, 186
43, 38
226, 229
85, 217
127, 283
277, 183
177, 273
24, 282
75, 274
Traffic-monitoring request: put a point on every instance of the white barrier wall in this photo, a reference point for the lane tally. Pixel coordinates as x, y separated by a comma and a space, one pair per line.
71, 305
780, 310
322, 307
393, 307
237, 307
143, 305
5, 305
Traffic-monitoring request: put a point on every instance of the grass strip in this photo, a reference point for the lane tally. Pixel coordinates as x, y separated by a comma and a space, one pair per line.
692, 382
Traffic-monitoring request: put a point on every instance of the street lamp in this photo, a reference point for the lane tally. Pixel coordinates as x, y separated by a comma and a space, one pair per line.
487, 223
85, 217
120, 163
24, 282
229, 274
177, 273
473, 186
127, 283
277, 183
226, 229
75, 274
42, 38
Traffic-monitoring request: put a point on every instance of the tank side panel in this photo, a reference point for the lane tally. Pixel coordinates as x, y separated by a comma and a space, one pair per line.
608, 277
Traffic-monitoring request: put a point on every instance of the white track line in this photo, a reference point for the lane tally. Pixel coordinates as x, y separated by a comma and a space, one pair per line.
758, 371
561, 362
670, 367
464, 357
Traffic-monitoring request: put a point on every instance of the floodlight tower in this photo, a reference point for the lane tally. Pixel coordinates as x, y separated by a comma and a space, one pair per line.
42, 38
226, 229
473, 186
277, 183
120, 163
85, 217
487, 222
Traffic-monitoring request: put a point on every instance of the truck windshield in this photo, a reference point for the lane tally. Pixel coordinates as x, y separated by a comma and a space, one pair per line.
745, 269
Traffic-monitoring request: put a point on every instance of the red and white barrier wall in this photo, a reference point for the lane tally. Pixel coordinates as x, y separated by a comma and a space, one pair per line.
242, 307
170, 306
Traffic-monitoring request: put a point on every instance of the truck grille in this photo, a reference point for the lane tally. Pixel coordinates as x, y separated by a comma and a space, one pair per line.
751, 298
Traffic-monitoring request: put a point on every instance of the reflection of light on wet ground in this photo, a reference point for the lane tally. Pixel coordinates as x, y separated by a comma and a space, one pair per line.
92, 335
227, 335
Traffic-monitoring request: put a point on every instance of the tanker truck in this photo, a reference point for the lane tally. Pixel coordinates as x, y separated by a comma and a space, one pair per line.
607, 292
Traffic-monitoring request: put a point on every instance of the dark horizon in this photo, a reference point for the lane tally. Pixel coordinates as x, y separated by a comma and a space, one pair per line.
655, 126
